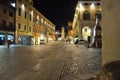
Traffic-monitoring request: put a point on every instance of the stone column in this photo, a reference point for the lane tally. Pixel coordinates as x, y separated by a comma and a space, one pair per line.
111, 30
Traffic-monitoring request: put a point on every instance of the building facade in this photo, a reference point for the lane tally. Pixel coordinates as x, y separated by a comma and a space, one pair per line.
85, 18
31, 25
21, 23
7, 23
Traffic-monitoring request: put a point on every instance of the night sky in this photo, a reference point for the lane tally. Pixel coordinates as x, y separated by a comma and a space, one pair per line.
57, 11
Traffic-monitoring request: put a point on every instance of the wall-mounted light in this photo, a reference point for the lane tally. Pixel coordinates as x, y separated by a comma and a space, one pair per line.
81, 7
23, 7
92, 6
12, 4
32, 13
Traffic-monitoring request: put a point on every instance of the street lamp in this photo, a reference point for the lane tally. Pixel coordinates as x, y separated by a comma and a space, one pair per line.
13, 3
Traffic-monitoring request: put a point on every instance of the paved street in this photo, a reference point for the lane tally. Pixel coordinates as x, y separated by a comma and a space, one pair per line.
52, 61
82, 63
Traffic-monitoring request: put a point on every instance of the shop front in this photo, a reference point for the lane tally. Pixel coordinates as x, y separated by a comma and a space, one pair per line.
26, 40
4, 38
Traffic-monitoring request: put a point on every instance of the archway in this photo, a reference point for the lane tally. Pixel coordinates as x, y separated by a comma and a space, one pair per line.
86, 31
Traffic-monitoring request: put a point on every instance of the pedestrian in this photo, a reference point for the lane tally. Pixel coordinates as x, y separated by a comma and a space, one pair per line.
76, 42
8, 43
69, 41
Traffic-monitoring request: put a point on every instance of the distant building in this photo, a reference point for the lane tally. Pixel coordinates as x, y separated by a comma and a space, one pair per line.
23, 24
7, 23
70, 30
62, 33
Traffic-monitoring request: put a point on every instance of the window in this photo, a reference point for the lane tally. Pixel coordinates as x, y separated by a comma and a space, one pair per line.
4, 23
25, 27
97, 4
4, 11
10, 13
86, 4
10, 24
30, 17
34, 30
19, 12
25, 14
30, 29
86, 16
19, 25
98, 15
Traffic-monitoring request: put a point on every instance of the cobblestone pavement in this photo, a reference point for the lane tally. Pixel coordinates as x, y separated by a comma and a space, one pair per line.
53, 61
82, 63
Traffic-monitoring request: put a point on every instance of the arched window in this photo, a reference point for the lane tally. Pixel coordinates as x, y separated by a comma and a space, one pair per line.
98, 15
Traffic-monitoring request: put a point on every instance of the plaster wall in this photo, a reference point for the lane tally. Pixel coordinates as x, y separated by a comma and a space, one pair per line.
111, 30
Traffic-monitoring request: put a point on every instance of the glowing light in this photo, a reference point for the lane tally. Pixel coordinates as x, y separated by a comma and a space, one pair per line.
13, 4
23, 7
86, 31
77, 8
89, 30
2, 38
32, 13
81, 7
37, 19
92, 6
2, 35
42, 20
75, 15
9, 38
42, 37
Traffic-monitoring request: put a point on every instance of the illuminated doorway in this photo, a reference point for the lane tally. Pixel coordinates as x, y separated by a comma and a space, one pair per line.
86, 31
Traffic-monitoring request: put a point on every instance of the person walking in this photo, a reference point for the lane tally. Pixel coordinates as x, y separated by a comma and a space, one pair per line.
76, 42
69, 41
8, 43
